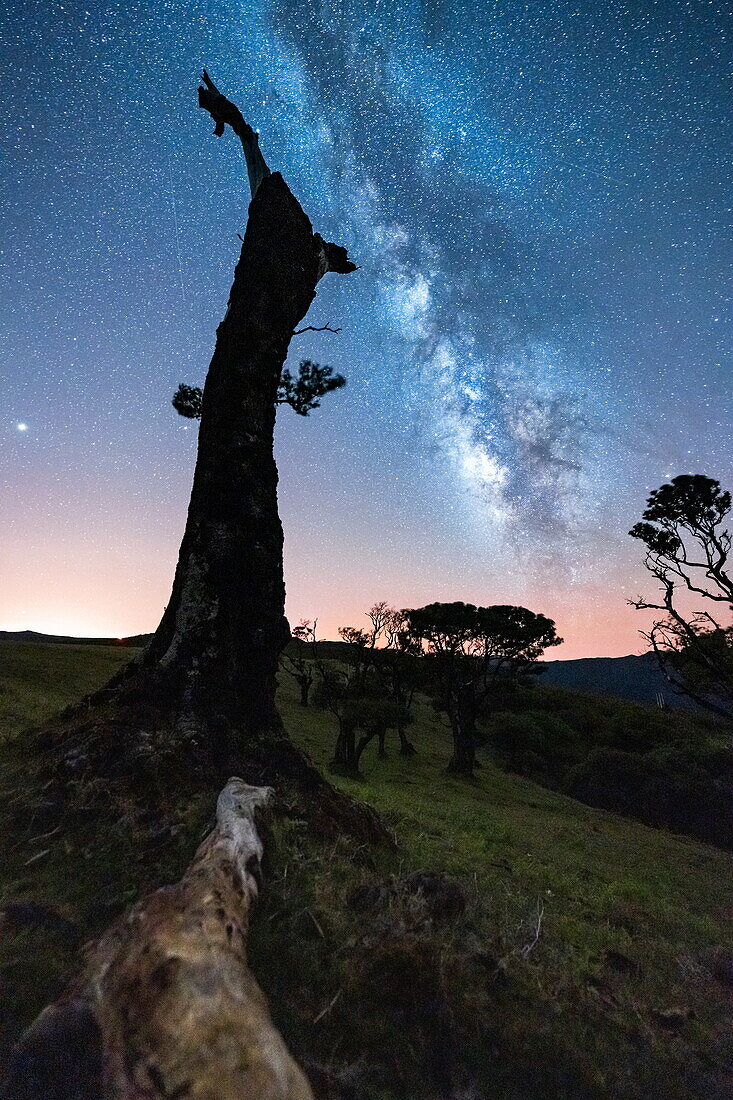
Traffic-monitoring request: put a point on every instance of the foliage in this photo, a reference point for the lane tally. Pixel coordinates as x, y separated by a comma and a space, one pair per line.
687, 550
469, 649
686, 791
187, 401
669, 769
301, 392
312, 382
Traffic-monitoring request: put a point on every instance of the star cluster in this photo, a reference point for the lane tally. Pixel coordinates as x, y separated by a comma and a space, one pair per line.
538, 199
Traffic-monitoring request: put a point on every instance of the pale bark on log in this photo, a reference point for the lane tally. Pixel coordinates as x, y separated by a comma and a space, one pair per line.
176, 1010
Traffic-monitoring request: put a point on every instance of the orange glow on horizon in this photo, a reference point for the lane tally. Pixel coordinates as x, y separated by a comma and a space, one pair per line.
597, 631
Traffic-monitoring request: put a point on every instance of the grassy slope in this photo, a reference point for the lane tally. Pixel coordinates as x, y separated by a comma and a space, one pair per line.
36, 680
630, 917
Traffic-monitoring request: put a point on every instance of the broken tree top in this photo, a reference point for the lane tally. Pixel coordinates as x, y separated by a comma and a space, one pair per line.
225, 113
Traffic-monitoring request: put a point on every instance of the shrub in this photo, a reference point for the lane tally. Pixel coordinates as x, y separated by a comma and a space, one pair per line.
534, 743
689, 792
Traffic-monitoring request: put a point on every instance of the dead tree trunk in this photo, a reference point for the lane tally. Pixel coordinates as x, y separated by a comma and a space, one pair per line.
202, 696
168, 1006
224, 627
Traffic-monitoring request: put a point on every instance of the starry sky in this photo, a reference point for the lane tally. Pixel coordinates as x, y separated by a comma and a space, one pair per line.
538, 196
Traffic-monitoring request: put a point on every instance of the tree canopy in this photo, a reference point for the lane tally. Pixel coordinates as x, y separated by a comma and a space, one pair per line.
302, 391
501, 635
469, 648
687, 551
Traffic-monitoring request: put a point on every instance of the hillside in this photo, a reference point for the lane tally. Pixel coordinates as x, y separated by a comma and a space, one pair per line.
34, 636
582, 954
634, 677
37, 678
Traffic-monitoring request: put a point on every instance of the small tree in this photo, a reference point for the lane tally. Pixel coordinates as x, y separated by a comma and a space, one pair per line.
385, 652
374, 716
687, 551
398, 665
357, 654
302, 393
363, 643
469, 648
334, 690
295, 661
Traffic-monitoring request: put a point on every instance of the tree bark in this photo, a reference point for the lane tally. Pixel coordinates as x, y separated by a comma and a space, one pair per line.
406, 746
168, 1006
463, 726
305, 687
345, 761
224, 626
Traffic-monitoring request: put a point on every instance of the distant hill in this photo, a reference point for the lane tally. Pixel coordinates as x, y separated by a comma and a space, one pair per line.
134, 642
632, 677
637, 678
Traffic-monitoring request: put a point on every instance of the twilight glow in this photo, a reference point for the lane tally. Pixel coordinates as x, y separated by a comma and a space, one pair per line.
536, 196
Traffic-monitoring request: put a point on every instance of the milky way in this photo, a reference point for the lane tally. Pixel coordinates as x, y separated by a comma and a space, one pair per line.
536, 196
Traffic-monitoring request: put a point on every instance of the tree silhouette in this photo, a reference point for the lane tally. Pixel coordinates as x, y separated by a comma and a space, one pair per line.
687, 551
220, 637
295, 660
387, 648
337, 690
468, 649
302, 393
202, 693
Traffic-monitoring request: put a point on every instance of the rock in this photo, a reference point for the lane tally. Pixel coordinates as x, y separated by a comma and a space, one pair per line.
615, 960
368, 897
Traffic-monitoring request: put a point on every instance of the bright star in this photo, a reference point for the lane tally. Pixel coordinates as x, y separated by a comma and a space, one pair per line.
22, 427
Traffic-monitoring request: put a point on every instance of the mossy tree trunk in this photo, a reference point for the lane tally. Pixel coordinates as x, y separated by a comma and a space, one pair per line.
345, 760
304, 683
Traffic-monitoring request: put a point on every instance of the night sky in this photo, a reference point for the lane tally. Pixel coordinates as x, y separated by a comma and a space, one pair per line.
538, 198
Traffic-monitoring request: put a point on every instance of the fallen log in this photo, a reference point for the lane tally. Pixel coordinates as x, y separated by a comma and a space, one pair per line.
168, 1006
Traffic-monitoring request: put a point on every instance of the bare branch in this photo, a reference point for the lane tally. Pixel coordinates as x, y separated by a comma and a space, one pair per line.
316, 328
225, 113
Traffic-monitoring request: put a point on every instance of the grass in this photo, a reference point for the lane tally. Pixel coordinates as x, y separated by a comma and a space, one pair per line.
39, 679
582, 966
